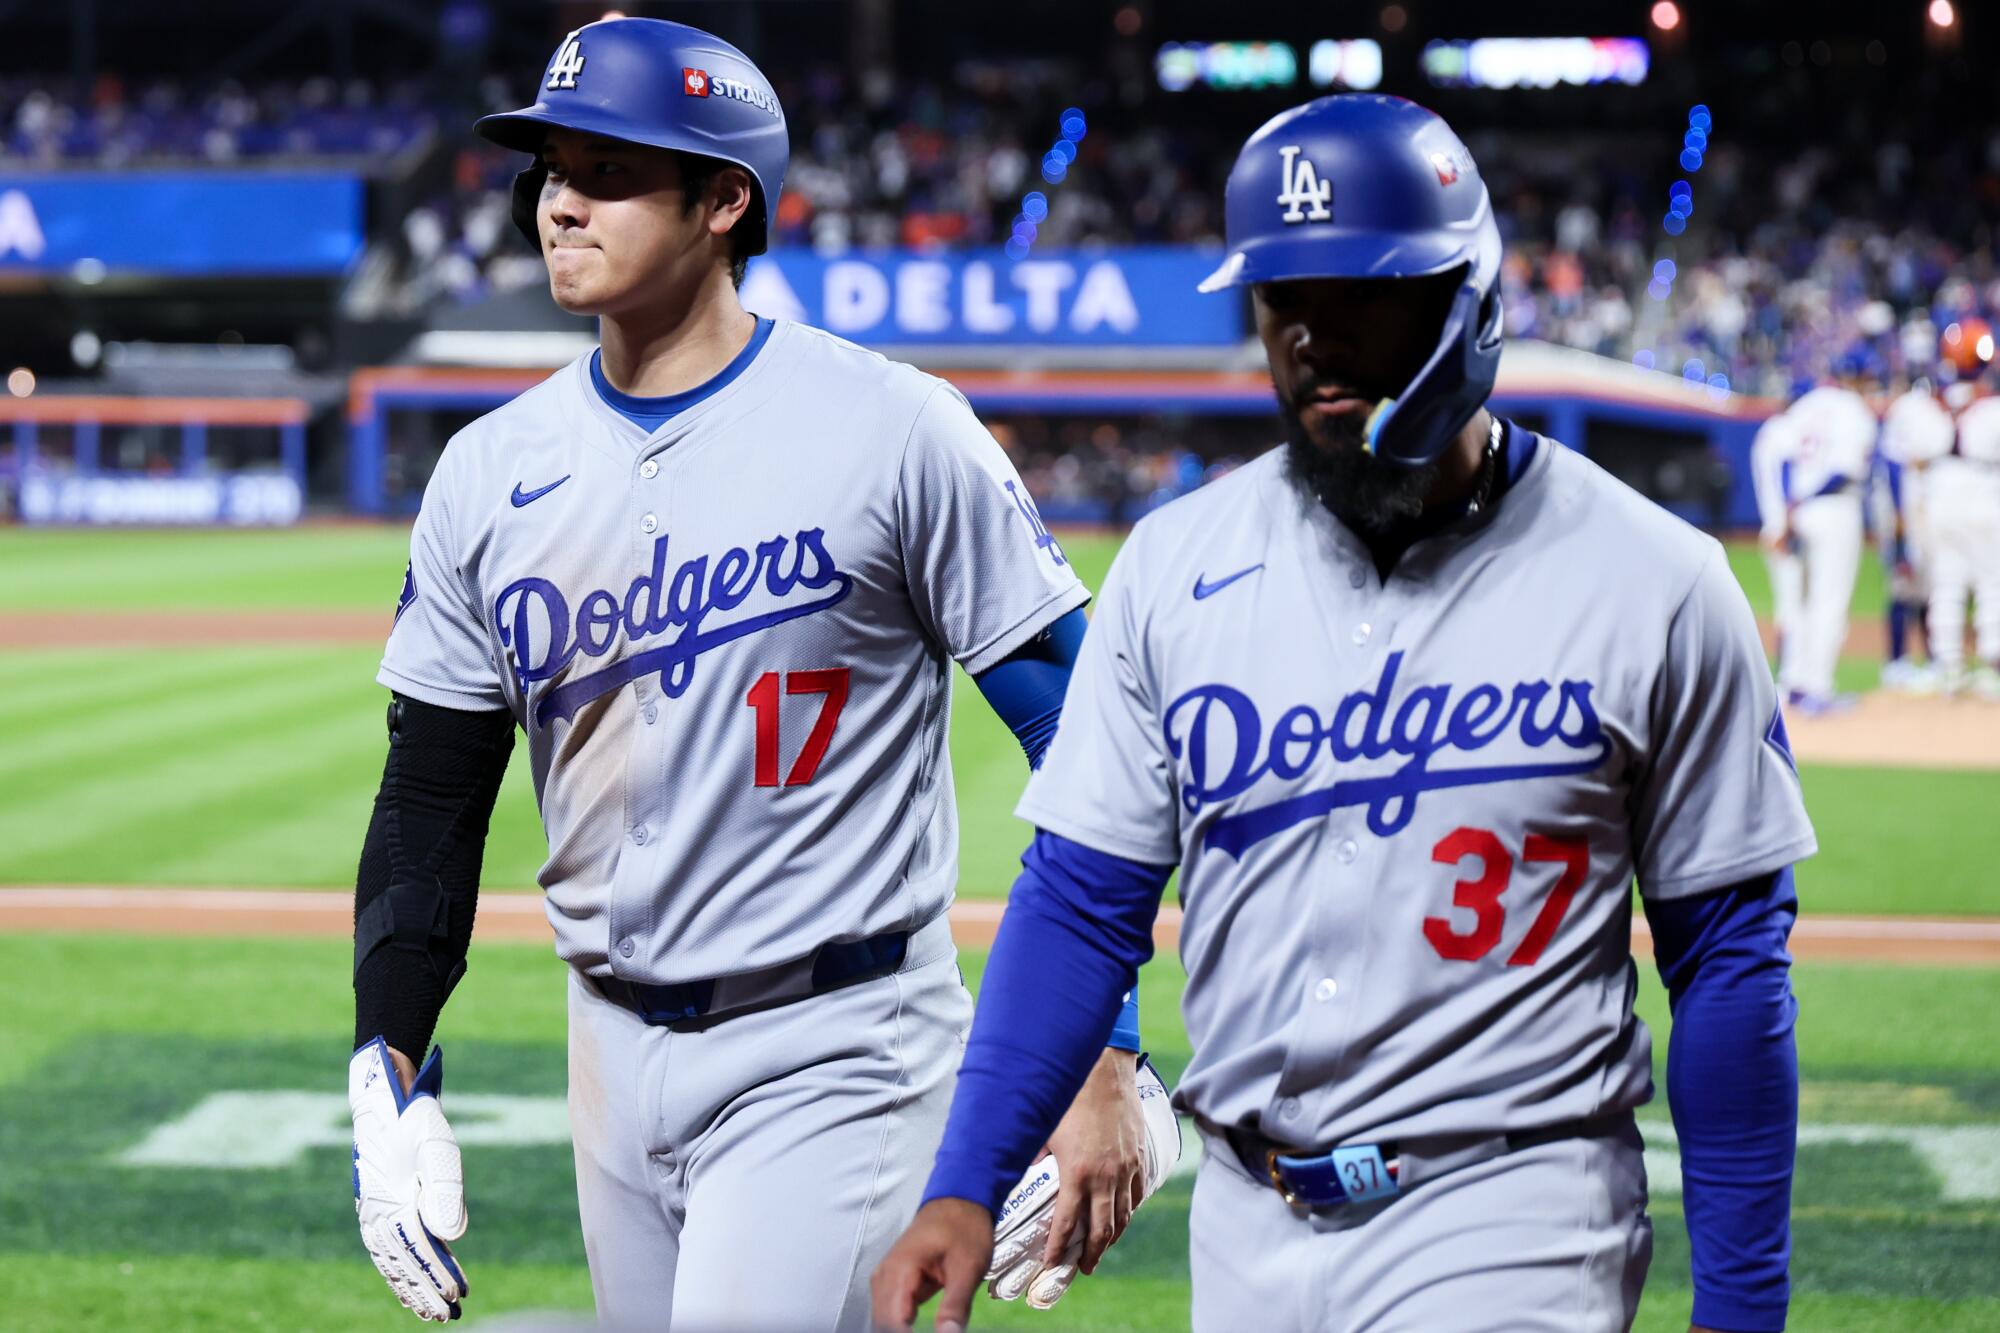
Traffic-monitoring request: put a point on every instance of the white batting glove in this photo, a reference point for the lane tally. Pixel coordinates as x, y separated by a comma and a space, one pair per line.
409, 1187
1021, 1231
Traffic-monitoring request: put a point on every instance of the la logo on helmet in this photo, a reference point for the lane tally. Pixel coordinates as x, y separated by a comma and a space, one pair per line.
1302, 187
568, 63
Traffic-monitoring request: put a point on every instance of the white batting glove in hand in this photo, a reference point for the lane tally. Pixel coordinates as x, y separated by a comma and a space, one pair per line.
409, 1187
1021, 1231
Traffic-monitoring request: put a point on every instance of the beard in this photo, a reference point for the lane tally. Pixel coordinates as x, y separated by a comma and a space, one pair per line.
1373, 497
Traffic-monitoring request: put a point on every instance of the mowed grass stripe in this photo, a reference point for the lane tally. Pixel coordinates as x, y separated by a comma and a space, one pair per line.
38, 685
319, 844
141, 815
240, 705
343, 566
129, 725
1899, 840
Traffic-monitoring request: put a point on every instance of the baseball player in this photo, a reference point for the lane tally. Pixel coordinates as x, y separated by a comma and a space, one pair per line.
1962, 505
717, 571
1917, 430
1834, 439
1772, 451
1408, 702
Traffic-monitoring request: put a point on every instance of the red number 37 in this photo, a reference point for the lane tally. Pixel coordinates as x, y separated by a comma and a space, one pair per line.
1481, 896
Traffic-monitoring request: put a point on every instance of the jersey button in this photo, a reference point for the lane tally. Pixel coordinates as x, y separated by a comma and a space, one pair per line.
1361, 631
1326, 990
652, 714
1346, 851
1289, 1108
1356, 577
625, 946
639, 835
649, 524
650, 468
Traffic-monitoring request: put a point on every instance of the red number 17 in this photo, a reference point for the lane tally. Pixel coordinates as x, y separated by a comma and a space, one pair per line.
1481, 896
763, 697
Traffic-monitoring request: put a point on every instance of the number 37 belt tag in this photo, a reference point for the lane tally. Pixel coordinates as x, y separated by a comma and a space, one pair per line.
1363, 1173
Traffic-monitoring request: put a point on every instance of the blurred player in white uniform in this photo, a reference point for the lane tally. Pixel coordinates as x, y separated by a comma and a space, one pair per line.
1963, 509
1917, 430
1771, 454
1835, 438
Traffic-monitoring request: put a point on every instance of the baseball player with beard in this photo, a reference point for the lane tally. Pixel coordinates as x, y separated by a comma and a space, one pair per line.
1409, 703
717, 571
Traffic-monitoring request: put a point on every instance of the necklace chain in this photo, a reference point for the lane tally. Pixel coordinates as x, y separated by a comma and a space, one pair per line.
1488, 469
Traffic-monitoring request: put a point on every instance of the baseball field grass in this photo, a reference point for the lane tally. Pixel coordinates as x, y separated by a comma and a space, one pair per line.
172, 1123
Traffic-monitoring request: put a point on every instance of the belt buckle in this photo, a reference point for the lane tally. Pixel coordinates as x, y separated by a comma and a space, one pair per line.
1278, 1180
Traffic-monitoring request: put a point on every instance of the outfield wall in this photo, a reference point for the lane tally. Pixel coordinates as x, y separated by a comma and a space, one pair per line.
1683, 443
101, 460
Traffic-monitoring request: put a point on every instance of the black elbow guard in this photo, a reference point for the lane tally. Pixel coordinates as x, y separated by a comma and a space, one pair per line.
418, 884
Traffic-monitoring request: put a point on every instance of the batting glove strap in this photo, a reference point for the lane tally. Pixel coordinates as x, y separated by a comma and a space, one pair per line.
409, 1185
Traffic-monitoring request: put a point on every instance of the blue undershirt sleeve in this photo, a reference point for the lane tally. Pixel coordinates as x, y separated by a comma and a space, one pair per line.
1026, 690
1733, 1087
1079, 923
1026, 687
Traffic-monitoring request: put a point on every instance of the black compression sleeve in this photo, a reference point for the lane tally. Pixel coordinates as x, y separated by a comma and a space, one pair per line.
418, 885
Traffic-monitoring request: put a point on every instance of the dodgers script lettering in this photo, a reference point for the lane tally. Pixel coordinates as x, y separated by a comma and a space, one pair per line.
536, 624
1219, 733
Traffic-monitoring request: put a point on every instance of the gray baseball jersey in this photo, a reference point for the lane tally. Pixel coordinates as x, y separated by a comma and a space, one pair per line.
1407, 813
729, 644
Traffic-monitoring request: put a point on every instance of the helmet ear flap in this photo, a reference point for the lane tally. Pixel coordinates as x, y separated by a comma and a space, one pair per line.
527, 198
1417, 426
1490, 321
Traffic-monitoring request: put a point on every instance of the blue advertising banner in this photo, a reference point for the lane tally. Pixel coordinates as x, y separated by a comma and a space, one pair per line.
1143, 296
181, 222
245, 499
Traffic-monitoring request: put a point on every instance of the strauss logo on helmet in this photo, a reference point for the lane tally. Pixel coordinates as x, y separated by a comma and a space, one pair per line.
695, 81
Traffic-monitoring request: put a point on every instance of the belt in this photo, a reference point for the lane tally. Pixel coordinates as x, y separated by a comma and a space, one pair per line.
690, 1004
1364, 1172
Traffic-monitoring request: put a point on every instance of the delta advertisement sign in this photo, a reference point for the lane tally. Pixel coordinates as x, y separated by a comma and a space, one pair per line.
1139, 297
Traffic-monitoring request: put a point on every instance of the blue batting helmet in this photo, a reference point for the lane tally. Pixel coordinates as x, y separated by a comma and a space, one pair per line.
648, 81
1359, 185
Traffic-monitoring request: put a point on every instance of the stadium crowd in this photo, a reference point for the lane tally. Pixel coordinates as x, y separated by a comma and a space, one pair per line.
1788, 264
115, 124
1791, 264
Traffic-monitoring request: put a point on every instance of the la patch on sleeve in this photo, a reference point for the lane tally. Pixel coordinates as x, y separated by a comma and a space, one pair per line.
409, 593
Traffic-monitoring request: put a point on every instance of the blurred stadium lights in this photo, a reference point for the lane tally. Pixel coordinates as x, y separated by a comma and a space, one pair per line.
1072, 125
1942, 15
1226, 65
1355, 64
1680, 195
1128, 21
1536, 62
1393, 18
20, 381
1666, 15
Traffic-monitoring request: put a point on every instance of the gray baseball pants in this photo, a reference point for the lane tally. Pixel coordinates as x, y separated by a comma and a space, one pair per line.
1552, 1237
751, 1174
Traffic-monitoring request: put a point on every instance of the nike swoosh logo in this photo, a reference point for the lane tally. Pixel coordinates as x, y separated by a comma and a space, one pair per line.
521, 497
1204, 590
